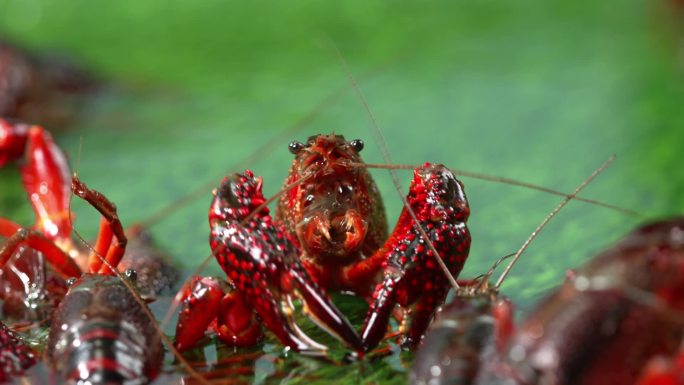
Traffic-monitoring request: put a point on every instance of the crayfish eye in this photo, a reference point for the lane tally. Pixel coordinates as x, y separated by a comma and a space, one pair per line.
357, 145
131, 274
70, 282
295, 146
309, 199
345, 190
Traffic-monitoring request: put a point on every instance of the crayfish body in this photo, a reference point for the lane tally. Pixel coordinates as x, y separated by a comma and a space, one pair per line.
617, 320
98, 317
329, 234
100, 334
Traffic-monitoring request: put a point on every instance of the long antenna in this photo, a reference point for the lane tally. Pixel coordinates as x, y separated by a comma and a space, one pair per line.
153, 321
548, 218
257, 155
514, 182
382, 145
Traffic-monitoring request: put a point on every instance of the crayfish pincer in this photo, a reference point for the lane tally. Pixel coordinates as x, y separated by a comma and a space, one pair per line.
329, 234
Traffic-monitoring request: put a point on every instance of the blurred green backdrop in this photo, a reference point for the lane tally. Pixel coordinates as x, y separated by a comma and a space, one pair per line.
537, 90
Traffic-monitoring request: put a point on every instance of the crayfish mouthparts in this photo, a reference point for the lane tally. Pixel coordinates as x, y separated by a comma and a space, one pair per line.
337, 235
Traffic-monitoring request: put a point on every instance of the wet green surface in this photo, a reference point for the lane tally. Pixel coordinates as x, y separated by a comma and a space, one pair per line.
541, 91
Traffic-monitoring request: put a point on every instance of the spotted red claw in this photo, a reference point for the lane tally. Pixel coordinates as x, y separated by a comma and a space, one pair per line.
412, 277
262, 263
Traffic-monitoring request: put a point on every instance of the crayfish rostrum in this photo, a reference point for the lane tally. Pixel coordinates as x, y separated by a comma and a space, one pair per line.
329, 234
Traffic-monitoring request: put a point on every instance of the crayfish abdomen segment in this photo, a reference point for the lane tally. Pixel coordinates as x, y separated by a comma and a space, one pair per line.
100, 334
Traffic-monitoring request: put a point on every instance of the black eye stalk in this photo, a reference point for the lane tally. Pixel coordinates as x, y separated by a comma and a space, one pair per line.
295, 146
131, 274
357, 145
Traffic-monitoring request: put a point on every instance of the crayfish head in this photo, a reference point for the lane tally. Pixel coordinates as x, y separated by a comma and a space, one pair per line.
325, 155
331, 208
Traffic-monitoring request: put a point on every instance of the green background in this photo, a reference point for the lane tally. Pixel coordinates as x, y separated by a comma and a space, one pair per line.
536, 90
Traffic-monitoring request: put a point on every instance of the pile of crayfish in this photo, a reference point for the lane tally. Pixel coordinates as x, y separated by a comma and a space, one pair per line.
329, 234
617, 320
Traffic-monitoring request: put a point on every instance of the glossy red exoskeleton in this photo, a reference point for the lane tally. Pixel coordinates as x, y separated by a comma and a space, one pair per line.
617, 320
111, 338
45, 176
100, 334
28, 288
15, 357
330, 234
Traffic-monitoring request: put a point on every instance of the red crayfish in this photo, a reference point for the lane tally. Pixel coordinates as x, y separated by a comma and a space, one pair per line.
99, 321
617, 320
329, 234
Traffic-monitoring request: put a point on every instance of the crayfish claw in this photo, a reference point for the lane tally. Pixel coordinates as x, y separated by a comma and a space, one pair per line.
413, 278
319, 309
263, 265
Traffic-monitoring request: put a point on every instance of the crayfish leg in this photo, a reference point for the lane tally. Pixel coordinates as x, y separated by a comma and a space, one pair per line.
111, 241
209, 302
22, 236
237, 323
44, 172
392, 292
199, 307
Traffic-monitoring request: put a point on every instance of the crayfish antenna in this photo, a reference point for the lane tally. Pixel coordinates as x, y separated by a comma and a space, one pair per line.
134, 292
509, 181
283, 136
546, 220
382, 146
483, 279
